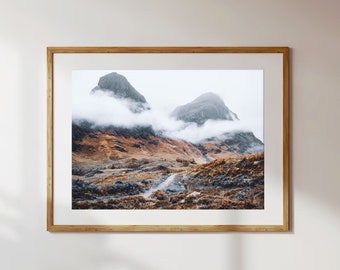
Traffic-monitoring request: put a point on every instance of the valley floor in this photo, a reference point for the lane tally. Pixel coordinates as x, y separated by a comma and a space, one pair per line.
148, 183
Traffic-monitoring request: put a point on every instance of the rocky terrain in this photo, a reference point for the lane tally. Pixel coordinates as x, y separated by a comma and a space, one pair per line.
233, 183
118, 168
115, 167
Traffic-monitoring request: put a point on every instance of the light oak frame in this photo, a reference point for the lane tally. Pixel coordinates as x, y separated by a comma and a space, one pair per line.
51, 51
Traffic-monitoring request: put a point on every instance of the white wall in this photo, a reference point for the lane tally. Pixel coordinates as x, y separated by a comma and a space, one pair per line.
310, 28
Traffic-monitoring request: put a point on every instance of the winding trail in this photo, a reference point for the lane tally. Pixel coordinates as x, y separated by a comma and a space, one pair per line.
147, 194
162, 185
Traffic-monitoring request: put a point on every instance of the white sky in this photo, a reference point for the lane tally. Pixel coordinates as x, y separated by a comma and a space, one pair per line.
164, 90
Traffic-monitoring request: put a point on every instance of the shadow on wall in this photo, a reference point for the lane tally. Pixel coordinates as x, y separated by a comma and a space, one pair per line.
24, 242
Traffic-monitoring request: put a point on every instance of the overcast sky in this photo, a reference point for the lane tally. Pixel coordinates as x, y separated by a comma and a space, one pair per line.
164, 90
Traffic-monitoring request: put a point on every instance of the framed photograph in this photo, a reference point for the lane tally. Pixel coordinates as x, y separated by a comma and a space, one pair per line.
168, 139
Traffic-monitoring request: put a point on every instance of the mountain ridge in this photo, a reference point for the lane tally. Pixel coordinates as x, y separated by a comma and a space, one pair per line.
144, 142
208, 106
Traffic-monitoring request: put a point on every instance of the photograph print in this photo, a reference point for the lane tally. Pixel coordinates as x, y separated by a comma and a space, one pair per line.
167, 139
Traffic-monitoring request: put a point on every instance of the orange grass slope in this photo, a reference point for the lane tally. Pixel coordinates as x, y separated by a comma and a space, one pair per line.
251, 165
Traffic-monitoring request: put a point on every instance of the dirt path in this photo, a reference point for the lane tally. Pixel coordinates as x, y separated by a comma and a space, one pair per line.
162, 185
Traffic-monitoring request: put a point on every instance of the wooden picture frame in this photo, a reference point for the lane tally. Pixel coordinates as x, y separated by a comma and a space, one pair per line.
270, 66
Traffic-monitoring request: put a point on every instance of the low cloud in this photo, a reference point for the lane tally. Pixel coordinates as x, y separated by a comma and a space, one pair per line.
104, 110
211, 128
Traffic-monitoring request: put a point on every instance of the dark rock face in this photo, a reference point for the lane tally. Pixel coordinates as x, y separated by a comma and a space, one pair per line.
84, 190
92, 173
78, 132
141, 132
205, 107
120, 188
82, 128
243, 142
119, 87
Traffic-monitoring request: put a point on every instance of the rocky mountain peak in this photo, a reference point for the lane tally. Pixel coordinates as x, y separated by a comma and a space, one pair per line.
119, 87
205, 107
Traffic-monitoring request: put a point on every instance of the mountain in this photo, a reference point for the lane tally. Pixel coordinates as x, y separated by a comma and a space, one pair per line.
205, 107
232, 144
137, 167
111, 143
242, 142
114, 144
119, 87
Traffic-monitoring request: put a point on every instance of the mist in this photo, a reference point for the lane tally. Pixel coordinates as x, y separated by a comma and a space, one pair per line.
103, 109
